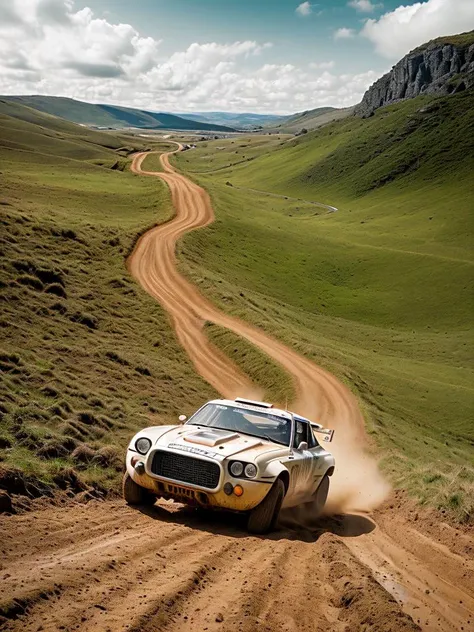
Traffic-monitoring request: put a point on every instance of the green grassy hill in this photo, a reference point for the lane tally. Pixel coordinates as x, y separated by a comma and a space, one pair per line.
87, 358
238, 120
378, 292
309, 120
113, 116
462, 40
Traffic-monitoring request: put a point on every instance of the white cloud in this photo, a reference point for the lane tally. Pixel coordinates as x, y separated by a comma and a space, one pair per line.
397, 32
323, 65
50, 47
364, 6
344, 33
54, 38
304, 9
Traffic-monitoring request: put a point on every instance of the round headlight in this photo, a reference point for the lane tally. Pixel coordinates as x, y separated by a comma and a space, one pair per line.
236, 468
250, 471
143, 445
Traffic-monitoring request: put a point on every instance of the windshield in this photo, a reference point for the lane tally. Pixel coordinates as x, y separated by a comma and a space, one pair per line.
255, 423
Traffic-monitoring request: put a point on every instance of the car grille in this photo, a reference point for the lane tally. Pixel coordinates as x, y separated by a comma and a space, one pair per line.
186, 469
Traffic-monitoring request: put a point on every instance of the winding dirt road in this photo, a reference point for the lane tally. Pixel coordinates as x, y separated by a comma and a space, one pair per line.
106, 567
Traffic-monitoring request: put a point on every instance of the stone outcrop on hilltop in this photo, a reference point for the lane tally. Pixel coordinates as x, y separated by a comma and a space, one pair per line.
439, 67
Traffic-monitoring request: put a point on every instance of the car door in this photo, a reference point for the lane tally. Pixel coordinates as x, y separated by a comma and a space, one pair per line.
302, 464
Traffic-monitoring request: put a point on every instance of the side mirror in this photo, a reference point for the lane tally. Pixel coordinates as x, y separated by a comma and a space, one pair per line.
182, 418
302, 446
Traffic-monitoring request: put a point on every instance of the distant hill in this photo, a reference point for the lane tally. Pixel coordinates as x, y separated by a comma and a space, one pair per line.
25, 129
111, 116
244, 120
309, 120
442, 66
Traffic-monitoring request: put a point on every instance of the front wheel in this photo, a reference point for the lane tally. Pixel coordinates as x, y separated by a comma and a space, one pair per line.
135, 494
263, 518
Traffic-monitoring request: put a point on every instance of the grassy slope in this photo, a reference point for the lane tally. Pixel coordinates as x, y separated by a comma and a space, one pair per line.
220, 154
88, 358
463, 40
378, 292
108, 115
310, 120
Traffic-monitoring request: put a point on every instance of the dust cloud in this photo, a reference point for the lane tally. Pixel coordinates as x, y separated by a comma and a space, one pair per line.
357, 484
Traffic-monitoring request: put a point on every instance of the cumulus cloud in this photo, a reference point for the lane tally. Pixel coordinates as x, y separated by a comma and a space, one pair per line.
344, 33
304, 9
397, 32
52, 47
364, 6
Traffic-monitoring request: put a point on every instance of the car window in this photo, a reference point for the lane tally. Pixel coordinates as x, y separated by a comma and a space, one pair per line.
304, 432
312, 442
301, 432
255, 423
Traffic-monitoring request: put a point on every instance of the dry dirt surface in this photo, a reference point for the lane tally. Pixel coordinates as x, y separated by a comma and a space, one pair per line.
106, 567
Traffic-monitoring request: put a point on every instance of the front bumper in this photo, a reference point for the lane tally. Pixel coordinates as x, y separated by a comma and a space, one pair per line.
253, 491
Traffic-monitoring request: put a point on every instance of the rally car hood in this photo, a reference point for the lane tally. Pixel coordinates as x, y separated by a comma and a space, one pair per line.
215, 442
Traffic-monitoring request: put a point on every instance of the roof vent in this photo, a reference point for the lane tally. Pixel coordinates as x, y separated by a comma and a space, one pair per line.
251, 402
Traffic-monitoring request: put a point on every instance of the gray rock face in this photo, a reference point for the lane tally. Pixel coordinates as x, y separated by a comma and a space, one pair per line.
438, 69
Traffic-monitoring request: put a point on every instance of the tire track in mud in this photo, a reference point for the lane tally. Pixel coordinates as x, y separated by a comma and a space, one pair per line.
168, 569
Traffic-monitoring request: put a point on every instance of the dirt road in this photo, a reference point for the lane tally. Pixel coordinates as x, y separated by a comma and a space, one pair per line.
106, 567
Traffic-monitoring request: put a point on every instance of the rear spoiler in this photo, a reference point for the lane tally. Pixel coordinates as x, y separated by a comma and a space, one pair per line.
328, 434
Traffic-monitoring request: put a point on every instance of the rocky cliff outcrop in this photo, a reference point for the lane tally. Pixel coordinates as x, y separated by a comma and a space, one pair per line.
439, 67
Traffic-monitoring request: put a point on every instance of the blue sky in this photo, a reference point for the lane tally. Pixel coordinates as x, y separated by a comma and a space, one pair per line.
296, 39
268, 56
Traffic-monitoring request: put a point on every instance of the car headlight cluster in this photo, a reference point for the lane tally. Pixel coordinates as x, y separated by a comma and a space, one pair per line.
142, 445
244, 470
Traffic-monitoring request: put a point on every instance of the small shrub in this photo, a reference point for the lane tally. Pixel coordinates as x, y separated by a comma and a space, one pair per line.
143, 370
111, 355
109, 456
88, 418
23, 266
118, 283
106, 422
59, 307
83, 454
52, 450
67, 233
5, 443
84, 319
57, 289
65, 405
30, 281
49, 391
47, 275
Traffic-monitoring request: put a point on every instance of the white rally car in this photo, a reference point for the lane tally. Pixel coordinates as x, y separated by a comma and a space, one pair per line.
241, 455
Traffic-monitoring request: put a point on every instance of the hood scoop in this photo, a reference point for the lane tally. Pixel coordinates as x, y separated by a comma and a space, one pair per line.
211, 438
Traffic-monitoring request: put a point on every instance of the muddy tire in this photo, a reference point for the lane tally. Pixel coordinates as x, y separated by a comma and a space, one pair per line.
263, 518
320, 497
135, 494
